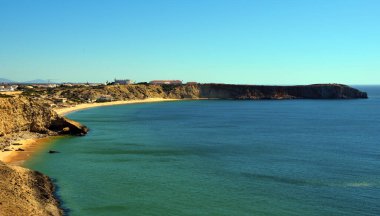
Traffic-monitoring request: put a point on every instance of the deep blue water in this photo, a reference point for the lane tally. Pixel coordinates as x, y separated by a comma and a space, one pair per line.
218, 157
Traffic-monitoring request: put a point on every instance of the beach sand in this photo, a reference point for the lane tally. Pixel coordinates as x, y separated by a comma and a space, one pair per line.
30, 146
66, 110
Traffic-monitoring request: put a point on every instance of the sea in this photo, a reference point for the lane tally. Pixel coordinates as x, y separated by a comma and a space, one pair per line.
221, 157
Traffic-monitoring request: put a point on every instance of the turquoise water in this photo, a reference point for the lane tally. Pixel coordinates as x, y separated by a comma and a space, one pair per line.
292, 157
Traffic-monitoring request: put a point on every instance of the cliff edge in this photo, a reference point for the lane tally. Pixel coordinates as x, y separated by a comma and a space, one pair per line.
256, 92
26, 192
84, 94
24, 114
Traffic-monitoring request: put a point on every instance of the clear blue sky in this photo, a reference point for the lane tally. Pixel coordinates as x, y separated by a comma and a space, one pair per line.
234, 41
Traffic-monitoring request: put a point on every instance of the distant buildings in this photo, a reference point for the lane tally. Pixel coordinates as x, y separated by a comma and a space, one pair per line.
167, 82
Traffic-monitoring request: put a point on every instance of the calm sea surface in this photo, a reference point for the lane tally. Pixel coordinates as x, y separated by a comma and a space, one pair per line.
220, 157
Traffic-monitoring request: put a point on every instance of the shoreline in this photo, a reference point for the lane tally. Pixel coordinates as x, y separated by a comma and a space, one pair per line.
33, 145
67, 110
22, 148
30, 147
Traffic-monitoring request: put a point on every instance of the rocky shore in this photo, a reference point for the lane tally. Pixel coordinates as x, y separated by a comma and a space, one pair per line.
26, 192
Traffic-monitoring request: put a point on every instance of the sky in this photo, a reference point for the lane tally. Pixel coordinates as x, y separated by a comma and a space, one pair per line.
276, 42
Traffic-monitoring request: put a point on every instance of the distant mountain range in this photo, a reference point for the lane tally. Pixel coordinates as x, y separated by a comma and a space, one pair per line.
37, 81
3, 80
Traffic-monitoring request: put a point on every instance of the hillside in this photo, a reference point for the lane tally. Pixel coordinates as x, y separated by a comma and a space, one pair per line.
83, 94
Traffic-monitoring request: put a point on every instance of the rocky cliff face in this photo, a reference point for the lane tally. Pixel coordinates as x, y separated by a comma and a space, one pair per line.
219, 91
254, 92
26, 192
23, 114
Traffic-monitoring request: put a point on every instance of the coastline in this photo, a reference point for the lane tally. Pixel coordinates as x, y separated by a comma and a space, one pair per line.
34, 144
67, 110
40, 198
30, 147
41, 120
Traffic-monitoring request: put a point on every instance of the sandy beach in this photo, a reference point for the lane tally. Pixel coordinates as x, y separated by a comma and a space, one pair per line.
66, 110
29, 147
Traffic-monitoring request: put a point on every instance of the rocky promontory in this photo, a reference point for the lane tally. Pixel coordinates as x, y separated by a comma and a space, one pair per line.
256, 92
26, 192
84, 94
25, 114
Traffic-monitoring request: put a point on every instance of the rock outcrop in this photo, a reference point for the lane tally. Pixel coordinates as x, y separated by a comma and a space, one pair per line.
64, 125
23, 114
26, 192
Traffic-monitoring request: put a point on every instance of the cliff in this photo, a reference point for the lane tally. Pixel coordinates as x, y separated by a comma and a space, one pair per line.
24, 114
254, 92
26, 192
33, 114
218, 91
